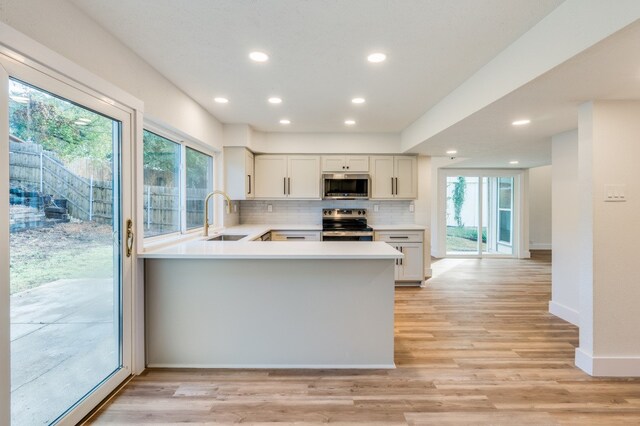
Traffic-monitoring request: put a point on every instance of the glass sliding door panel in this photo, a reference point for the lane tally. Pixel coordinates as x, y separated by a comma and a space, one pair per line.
463, 215
65, 275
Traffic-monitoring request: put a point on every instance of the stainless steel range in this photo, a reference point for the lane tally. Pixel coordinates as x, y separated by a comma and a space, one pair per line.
345, 225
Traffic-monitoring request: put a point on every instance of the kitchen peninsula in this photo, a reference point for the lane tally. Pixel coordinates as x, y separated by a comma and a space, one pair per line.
270, 304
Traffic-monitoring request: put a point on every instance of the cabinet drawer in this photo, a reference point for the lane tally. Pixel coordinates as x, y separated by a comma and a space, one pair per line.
400, 236
295, 236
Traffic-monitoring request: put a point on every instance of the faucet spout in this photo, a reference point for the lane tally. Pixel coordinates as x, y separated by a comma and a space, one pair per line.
206, 208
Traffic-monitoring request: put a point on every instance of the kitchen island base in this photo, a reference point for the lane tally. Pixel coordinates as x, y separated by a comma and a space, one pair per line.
269, 313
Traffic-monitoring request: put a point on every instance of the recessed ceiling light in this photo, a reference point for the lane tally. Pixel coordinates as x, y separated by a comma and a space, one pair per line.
358, 100
376, 57
349, 122
259, 56
513, 162
20, 99
275, 100
221, 100
521, 122
452, 151
285, 121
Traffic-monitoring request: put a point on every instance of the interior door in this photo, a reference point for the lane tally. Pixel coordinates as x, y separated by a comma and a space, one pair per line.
69, 179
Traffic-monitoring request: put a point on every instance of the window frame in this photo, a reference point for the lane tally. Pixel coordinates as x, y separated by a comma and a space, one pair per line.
184, 142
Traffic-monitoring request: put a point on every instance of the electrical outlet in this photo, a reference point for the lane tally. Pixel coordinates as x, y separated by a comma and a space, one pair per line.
613, 193
269, 208
235, 208
376, 207
412, 207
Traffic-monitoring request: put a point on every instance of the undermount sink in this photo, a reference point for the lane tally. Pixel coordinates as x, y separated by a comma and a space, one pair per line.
225, 237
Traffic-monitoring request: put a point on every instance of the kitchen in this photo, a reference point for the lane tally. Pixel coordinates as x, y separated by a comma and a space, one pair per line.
334, 166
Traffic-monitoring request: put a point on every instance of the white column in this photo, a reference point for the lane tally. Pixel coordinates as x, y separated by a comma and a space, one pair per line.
609, 149
564, 227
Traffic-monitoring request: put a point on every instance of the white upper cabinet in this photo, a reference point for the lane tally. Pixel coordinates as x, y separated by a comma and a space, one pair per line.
287, 176
238, 173
394, 177
271, 176
345, 163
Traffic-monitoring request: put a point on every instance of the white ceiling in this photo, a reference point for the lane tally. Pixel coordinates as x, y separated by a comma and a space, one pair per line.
318, 50
610, 70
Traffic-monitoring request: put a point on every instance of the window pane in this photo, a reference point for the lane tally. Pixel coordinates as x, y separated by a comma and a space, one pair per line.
199, 183
505, 185
161, 161
65, 283
505, 226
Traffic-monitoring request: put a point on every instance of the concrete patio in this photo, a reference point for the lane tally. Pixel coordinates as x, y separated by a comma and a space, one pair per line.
63, 343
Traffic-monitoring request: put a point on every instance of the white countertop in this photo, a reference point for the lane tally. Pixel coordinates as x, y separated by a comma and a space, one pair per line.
275, 250
198, 248
401, 227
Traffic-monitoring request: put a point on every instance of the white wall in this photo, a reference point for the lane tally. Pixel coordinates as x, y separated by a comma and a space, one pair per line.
540, 208
63, 28
609, 233
329, 143
565, 265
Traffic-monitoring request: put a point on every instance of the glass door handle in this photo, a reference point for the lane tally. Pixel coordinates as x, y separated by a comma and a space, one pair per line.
130, 237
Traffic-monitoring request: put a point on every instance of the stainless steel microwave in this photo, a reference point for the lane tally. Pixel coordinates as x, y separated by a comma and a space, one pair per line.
346, 186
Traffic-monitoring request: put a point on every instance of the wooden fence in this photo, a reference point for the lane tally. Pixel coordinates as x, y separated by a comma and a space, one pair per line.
33, 168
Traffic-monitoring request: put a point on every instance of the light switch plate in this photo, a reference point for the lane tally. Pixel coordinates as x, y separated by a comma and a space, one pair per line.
269, 208
412, 207
376, 207
615, 193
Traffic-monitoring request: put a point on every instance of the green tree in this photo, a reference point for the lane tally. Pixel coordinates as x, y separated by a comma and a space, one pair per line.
459, 190
58, 125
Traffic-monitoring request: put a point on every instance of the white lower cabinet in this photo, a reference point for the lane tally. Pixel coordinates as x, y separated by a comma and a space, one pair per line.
295, 235
409, 269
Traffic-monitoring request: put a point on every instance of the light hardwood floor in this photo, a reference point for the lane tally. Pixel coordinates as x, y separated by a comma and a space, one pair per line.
476, 346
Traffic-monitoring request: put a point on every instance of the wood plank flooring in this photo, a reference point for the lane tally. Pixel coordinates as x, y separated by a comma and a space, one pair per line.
475, 346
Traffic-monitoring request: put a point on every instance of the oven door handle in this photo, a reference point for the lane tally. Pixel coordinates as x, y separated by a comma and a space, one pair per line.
347, 234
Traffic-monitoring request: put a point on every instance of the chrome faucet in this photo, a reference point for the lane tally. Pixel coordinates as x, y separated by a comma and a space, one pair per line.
206, 208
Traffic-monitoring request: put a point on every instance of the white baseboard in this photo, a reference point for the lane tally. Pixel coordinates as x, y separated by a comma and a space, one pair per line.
277, 366
565, 312
540, 246
608, 366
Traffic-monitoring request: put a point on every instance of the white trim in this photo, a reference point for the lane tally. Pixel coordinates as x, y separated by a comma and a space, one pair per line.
539, 246
564, 312
5, 319
610, 366
280, 366
24, 49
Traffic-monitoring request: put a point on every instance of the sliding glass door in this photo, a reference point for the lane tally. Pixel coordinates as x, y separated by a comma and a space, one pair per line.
69, 281
479, 217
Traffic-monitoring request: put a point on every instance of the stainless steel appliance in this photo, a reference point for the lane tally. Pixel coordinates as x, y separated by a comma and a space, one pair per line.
345, 225
346, 186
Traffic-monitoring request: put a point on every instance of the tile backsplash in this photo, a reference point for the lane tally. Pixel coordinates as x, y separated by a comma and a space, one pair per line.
310, 212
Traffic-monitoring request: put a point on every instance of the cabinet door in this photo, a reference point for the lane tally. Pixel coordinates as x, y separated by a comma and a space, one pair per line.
381, 176
357, 163
304, 176
412, 265
271, 176
406, 174
333, 163
250, 182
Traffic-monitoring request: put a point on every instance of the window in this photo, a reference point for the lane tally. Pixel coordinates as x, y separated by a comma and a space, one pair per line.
199, 167
161, 159
173, 200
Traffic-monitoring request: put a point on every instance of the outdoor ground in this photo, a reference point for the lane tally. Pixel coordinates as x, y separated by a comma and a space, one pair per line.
63, 251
